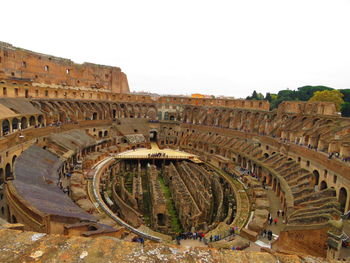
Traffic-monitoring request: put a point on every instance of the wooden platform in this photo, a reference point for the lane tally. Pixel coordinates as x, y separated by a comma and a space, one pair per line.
156, 153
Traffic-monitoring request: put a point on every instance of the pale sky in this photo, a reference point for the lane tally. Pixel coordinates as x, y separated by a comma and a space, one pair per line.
182, 47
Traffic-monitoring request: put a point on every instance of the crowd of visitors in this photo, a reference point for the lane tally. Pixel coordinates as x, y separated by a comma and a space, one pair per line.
138, 240
189, 235
312, 147
152, 155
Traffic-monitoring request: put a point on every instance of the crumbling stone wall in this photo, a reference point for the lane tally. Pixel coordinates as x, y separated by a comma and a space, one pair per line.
185, 205
199, 191
159, 207
19, 63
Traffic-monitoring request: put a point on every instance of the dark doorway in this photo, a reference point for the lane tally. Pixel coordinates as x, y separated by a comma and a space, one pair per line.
343, 195
8, 173
161, 219
153, 136
323, 185
5, 127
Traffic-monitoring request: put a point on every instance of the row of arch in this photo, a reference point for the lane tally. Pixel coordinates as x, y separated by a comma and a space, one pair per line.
70, 111
14, 124
244, 120
342, 193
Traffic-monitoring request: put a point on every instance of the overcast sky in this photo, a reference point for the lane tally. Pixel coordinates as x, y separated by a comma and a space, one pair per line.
183, 47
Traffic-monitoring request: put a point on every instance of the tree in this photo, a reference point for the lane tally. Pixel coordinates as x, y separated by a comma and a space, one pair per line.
255, 96
334, 96
260, 96
306, 92
345, 109
268, 97
287, 95
346, 93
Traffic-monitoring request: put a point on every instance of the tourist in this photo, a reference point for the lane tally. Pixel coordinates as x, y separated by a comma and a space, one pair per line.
211, 238
178, 238
270, 220
278, 213
232, 231
282, 213
269, 235
275, 220
200, 235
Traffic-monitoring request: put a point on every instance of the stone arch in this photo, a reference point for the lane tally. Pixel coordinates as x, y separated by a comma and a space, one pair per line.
24, 123
8, 172
152, 113
244, 162
278, 188
5, 126
62, 116
161, 219
31, 121
323, 185
137, 111
166, 116
41, 120
343, 196
13, 160
269, 179
274, 184
15, 123
239, 159
316, 178
315, 121
97, 109
153, 135
2, 178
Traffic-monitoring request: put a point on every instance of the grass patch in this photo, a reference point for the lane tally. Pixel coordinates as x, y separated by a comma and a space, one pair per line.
174, 220
128, 181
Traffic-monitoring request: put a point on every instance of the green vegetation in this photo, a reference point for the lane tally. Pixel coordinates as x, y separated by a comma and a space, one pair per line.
128, 181
329, 95
175, 223
307, 93
147, 203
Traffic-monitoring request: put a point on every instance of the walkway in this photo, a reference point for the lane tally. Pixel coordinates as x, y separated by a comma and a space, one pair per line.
187, 243
275, 205
154, 146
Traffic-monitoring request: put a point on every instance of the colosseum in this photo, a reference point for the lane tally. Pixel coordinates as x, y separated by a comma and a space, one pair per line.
87, 166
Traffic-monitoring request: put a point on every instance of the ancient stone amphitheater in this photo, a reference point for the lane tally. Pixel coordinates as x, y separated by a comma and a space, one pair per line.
86, 167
